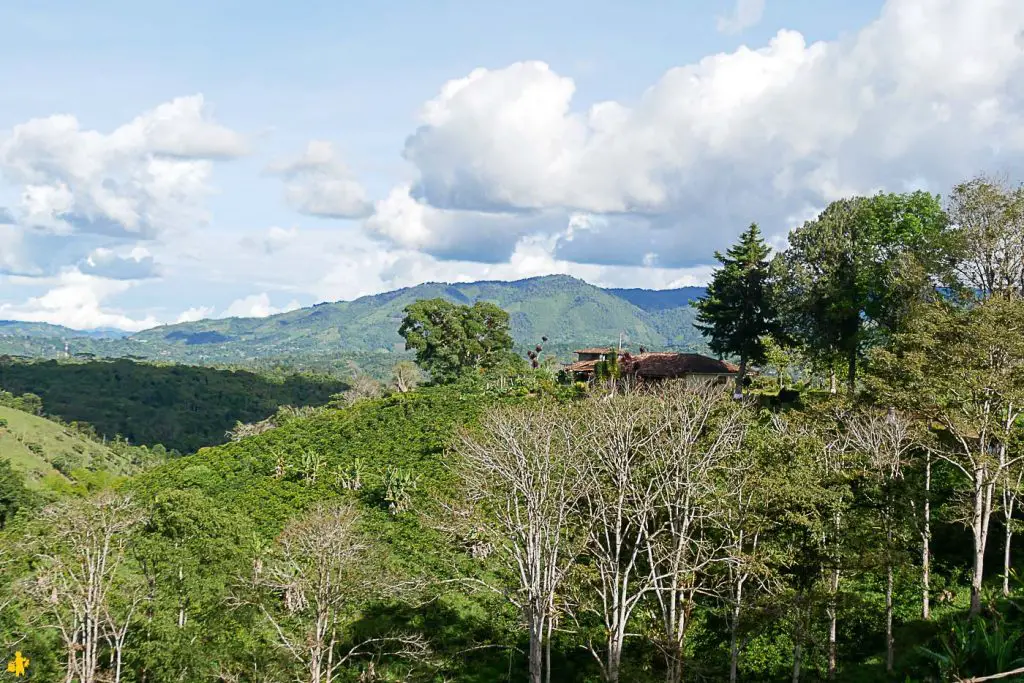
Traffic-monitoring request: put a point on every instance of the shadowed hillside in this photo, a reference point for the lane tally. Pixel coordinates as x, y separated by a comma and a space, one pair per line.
182, 407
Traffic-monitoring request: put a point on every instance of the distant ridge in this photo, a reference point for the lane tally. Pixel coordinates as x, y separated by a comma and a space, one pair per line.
562, 308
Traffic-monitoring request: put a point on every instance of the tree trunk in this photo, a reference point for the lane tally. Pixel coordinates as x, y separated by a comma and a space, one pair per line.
832, 622
734, 646
536, 649
983, 492
851, 369
832, 381
798, 652
547, 647
926, 538
1006, 557
740, 377
890, 655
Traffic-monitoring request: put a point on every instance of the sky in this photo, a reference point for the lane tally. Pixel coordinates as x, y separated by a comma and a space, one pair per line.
165, 161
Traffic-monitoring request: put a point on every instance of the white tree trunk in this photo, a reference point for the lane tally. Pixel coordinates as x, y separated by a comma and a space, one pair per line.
926, 539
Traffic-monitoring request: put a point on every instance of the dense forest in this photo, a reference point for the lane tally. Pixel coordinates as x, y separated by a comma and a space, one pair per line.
180, 407
846, 511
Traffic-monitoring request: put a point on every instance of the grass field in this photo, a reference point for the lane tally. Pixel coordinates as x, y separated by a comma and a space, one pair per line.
40, 448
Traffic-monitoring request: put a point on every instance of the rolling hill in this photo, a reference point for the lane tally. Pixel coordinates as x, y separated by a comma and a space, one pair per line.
39, 448
567, 310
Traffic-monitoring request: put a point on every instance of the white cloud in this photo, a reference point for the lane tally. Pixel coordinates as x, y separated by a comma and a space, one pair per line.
256, 306
272, 240
932, 91
318, 183
137, 264
745, 14
13, 259
363, 270
145, 177
193, 314
411, 223
77, 302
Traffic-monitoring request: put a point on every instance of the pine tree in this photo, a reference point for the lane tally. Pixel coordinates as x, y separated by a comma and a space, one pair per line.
737, 311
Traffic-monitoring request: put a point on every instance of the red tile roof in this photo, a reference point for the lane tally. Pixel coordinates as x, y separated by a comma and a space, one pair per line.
663, 365
675, 365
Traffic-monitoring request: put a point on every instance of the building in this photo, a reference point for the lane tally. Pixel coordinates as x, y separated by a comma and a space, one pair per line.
654, 366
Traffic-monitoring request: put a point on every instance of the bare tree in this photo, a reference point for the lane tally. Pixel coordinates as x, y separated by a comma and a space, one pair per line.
82, 569
619, 502
988, 215
525, 470
703, 428
312, 574
886, 440
406, 376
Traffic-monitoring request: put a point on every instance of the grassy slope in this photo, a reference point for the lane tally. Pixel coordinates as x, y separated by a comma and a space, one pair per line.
56, 443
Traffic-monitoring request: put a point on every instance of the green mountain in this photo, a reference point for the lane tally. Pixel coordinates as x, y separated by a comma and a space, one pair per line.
562, 308
566, 310
18, 328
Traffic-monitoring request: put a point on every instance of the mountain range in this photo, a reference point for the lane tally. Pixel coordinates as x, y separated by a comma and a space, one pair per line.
566, 310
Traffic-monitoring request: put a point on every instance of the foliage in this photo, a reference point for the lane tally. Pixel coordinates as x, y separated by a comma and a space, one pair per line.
852, 275
738, 312
451, 340
181, 407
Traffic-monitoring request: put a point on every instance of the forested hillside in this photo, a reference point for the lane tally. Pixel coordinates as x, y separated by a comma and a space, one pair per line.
181, 407
846, 510
567, 310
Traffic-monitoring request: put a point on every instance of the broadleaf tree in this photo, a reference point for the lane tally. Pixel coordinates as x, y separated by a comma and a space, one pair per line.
737, 313
450, 339
853, 275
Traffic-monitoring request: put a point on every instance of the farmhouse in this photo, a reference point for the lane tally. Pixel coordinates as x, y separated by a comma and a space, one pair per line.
653, 366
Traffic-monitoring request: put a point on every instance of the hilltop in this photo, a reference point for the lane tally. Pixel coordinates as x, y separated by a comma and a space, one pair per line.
565, 309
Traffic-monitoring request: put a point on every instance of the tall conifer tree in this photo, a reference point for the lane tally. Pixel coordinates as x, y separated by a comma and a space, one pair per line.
737, 310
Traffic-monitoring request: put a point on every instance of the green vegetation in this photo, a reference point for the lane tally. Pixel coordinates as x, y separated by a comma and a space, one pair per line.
39, 449
451, 340
495, 524
181, 407
323, 338
738, 311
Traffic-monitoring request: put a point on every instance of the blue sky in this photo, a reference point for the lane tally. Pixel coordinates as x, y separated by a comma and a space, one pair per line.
166, 161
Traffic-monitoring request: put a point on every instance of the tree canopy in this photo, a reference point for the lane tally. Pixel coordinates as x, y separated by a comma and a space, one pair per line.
738, 311
450, 339
850, 276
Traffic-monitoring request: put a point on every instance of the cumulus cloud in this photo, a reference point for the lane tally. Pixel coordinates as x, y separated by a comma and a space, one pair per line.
145, 177
77, 301
13, 259
411, 223
256, 306
137, 264
929, 93
318, 183
195, 313
745, 14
